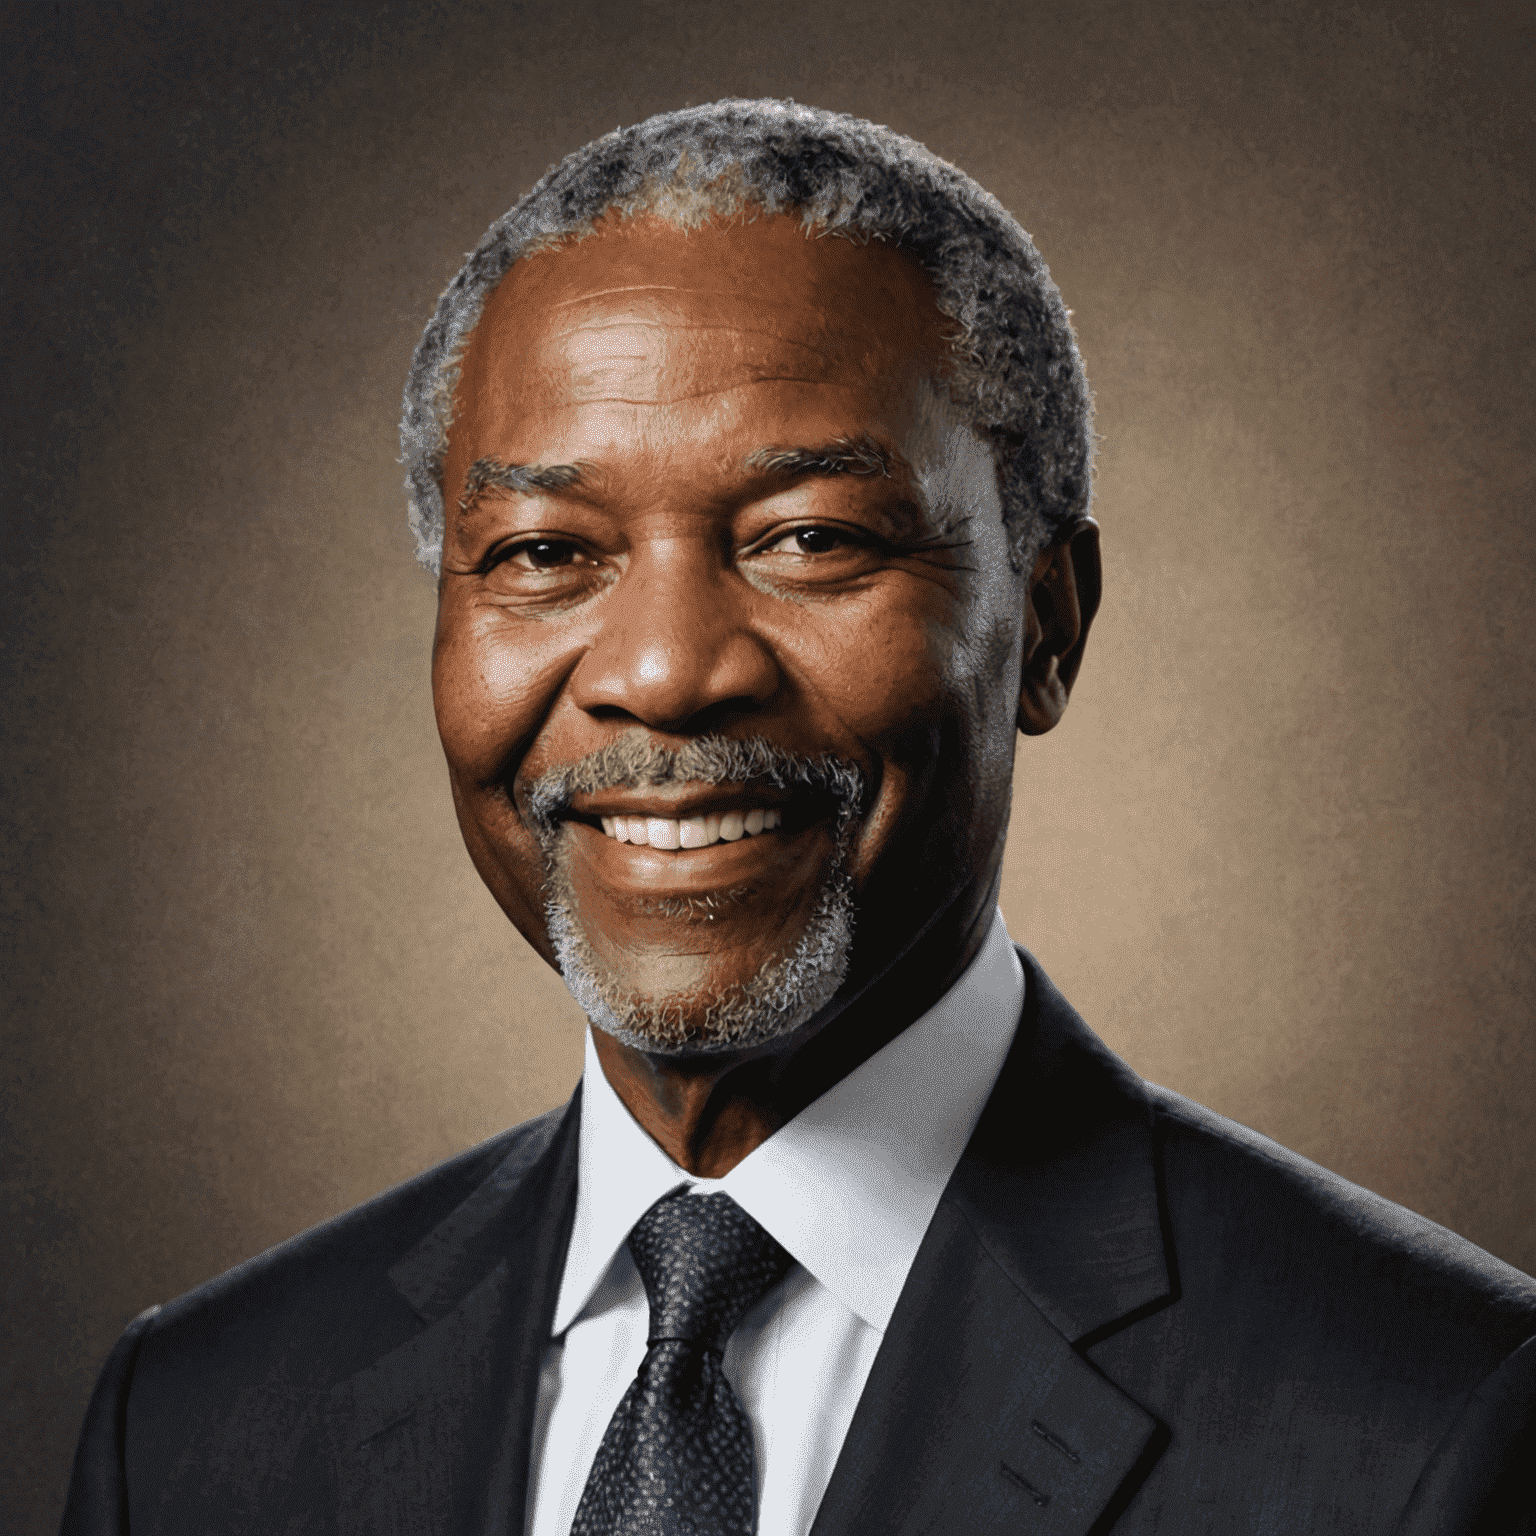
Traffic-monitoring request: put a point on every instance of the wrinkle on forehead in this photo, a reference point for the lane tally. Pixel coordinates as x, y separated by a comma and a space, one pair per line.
652, 319
798, 320
694, 394
710, 309
661, 361
766, 274
681, 327
594, 294
608, 293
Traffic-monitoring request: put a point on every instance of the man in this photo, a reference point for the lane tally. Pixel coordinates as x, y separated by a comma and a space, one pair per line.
752, 449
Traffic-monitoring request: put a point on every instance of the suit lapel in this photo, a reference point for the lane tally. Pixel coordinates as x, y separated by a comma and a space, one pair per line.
434, 1436
980, 1415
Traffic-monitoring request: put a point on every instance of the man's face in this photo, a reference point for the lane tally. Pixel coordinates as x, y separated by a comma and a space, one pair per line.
756, 524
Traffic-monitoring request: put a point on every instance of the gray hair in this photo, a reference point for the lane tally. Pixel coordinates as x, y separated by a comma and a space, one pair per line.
1014, 369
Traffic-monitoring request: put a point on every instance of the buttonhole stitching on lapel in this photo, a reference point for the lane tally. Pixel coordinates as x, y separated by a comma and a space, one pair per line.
405, 1418
1037, 1494
1055, 1440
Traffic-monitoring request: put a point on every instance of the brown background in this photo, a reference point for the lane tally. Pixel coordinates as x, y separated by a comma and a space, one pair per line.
1280, 854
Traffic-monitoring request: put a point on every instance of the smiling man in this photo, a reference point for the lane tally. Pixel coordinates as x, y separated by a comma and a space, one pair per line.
730, 653
752, 451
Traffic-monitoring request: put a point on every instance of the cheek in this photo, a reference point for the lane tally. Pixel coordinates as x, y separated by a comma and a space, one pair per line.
882, 670
489, 691
930, 692
899, 675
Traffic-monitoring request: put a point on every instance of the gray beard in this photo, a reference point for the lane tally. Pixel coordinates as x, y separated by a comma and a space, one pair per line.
789, 989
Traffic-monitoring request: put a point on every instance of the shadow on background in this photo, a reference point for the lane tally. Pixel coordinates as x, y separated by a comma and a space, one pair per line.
1280, 855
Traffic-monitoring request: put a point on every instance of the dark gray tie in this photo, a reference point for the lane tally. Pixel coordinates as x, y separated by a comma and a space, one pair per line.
677, 1458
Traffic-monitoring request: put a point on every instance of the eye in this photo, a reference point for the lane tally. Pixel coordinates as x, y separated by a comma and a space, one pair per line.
817, 540
540, 555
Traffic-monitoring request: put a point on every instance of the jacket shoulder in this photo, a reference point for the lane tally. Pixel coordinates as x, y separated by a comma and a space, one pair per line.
1319, 1342
1202, 1147
210, 1412
325, 1283
1342, 1271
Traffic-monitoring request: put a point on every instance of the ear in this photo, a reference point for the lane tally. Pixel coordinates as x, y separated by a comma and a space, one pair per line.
1064, 590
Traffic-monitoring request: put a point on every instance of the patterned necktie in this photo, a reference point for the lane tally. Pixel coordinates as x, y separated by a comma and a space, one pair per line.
677, 1458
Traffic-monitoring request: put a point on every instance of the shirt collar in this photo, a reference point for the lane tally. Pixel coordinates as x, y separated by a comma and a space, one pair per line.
850, 1184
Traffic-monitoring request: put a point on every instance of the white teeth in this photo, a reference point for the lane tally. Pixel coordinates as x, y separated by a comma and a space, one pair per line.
690, 831
660, 832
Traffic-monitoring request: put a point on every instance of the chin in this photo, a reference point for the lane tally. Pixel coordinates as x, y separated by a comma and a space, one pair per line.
787, 991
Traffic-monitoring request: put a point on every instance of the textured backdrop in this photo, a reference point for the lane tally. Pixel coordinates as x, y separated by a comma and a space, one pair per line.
1280, 854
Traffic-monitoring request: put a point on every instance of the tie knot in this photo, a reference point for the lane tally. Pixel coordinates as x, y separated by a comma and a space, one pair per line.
705, 1264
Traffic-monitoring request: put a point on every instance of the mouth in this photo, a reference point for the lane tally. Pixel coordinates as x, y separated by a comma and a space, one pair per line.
636, 831
690, 831
695, 841
694, 816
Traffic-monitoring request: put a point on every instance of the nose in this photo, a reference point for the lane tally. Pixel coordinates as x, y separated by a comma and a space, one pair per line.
675, 649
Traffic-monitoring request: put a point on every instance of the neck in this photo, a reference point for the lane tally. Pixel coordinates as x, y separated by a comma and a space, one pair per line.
708, 1112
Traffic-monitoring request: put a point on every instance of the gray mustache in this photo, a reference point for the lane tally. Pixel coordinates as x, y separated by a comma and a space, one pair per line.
633, 760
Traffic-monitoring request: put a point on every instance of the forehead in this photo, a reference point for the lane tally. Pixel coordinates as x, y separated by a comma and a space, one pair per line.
641, 318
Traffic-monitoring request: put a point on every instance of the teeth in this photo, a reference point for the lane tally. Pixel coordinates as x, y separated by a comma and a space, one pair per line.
691, 831
659, 832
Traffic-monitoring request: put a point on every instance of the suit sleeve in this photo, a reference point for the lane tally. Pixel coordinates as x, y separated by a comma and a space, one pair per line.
1481, 1479
98, 1486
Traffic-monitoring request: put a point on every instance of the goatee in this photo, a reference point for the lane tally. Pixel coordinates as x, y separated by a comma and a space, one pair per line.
789, 989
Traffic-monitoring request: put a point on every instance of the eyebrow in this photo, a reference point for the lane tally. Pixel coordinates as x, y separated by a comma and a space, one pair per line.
492, 475
842, 456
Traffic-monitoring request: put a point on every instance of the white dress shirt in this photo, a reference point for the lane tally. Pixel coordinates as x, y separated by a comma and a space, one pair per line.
848, 1187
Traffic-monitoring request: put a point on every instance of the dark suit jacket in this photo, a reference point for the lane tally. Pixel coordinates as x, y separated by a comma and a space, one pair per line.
1126, 1313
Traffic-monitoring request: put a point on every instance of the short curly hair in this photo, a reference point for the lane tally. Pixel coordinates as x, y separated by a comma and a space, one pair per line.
1014, 370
